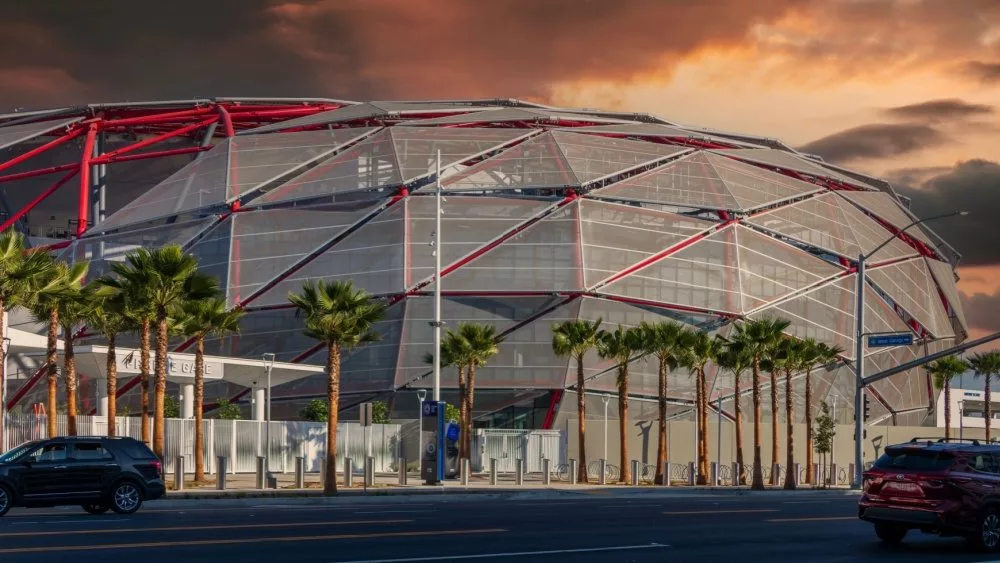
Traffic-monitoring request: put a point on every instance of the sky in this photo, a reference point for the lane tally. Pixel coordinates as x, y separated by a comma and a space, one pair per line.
908, 90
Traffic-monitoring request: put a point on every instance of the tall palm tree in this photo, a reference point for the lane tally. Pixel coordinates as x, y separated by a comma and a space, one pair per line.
701, 350
736, 362
482, 344
73, 310
813, 355
621, 345
19, 274
943, 371
575, 339
793, 359
171, 277
198, 319
667, 342
108, 315
455, 352
756, 339
340, 316
774, 364
987, 366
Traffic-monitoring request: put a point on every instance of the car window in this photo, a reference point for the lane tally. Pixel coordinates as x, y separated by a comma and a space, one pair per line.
90, 451
18, 452
136, 450
983, 462
917, 460
48, 453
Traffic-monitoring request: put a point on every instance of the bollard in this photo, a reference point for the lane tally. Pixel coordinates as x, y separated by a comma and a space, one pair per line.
635, 473
666, 474
518, 472
300, 472
602, 479
573, 468
493, 471
348, 472
776, 474
815, 475
546, 476
260, 472
464, 470
713, 473
402, 471
691, 475
831, 479
370, 471
222, 463
850, 475
179, 473
795, 476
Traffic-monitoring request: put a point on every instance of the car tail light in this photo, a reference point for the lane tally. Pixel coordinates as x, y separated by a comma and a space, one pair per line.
159, 468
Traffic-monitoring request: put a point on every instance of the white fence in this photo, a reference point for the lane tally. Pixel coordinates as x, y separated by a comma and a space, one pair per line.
507, 446
241, 441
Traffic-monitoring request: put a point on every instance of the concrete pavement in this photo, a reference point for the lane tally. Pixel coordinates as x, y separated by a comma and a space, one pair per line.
608, 527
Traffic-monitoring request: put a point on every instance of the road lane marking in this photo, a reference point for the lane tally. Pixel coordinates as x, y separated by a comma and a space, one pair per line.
81, 520
199, 528
807, 502
737, 511
514, 554
394, 511
813, 519
196, 543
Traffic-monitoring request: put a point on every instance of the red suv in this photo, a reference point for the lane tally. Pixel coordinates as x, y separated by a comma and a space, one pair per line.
945, 487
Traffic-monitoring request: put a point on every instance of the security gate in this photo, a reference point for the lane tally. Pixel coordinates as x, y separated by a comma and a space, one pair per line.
507, 446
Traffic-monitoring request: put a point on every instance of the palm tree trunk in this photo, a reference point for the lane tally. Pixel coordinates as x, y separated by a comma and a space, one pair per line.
947, 409
144, 379
470, 401
703, 435
986, 405
3, 380
758, 475
581, 415
160, 384
790, 475
661, 443
112, 382
626, 471
199, 398
698, 429
333, 399
462, 413
774, 427
53, 372
69, 367
809, 428
738, 414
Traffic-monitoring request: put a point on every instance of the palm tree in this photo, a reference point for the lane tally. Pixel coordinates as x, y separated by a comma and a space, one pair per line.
736, 362
774, 364
792, 360
455, 352
19, 274
756, 339
575, 339
73, 310
701, 350
666, 341
944, 370
987, 366
621, 345
108, 315
482, 343
198, 319
170, 277
340, 316
813, 355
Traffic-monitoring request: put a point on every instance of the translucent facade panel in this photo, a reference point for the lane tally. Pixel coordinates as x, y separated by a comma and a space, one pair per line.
468, 223
276, 331
202, 183
687, 182
417, 147
104, 251
824, 314
545, 256
256, 160
880, 317
501, 313
501, 115
647, 130
266, 243
870, 235
885, 207
369, 165
592, 157
213, 251
535, 163
770, 269
357, 112
907, 390
909, 285
372, 257
945, 277
703, 275
755, 186
14, 134
616, 237
788, 161
372, 366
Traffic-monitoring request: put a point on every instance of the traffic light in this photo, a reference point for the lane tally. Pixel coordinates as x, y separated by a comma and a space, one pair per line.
867, 405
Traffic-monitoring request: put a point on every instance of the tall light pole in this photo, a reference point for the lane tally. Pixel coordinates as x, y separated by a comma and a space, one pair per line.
859, 346
268, 360
438, 248
961, 420
606, 398
4, 347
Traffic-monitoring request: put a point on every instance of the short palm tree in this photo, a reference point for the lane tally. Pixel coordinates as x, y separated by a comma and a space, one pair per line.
701, 350
987, 366
108, 315
813, 355
621, 345
575, 339
340, 316
732, 360
943, 370
198, 319
482, 344
455, 352
756, 339
666, 341
73, 310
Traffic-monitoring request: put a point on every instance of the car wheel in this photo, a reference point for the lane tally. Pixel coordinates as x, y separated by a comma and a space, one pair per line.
988, 538
126, 497
890, 534
6, 500
95, 508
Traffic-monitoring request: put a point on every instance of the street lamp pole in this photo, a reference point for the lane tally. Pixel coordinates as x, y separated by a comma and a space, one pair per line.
859, 346
268, 360
4, 347
961, 420
438, 247
606, 399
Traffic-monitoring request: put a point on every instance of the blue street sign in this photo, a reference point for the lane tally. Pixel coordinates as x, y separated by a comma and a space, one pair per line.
884, 340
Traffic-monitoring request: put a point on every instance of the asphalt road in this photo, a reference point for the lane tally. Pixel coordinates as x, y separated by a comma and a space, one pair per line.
578, 528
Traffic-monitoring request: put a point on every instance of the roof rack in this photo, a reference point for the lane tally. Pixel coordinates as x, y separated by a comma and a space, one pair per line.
972, 441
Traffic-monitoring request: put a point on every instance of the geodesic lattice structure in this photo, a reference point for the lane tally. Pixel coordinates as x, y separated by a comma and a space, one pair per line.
550, 214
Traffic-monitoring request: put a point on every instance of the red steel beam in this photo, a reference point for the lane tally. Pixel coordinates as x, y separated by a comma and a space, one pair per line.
39, 172
72, 134
227, 121
38, 199
83, 211
145, 155
153, 140
157, 118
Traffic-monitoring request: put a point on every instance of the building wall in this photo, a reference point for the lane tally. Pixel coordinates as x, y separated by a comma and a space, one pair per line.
958, 409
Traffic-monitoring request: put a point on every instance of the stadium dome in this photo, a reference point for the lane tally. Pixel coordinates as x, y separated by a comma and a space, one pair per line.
550, 214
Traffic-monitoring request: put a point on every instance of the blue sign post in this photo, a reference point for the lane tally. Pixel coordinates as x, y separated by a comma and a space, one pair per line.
886, 340
432, 442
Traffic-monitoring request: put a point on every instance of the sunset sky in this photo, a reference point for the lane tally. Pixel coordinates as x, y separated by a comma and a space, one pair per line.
905, 89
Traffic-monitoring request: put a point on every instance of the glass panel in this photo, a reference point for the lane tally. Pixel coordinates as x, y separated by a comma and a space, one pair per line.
880, 316
372, 257
945, 278
494, 116
372, 367
542, 257
825, 314
907, 390
468, 223
341, 114
13, 134
885, 207
817, 221
616, 237
278, 331
754, 187
909, 285
870, 235
213, 252
649, 130
417, 147
702, 275
535, 163
593, 157
687, 182
786, 160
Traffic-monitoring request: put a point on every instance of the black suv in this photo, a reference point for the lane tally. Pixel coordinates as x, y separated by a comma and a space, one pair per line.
97, 473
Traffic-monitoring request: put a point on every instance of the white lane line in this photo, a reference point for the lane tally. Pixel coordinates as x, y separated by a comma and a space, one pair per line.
80, 521
514, 554
392, 511
806, 502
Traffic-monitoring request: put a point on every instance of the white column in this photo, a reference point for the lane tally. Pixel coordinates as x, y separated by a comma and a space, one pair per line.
258, 403
102, 397
187, 400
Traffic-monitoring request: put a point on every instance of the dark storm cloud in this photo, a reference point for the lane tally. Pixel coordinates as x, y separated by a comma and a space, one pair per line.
982, 311
987, 73
939, 110
880, 140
